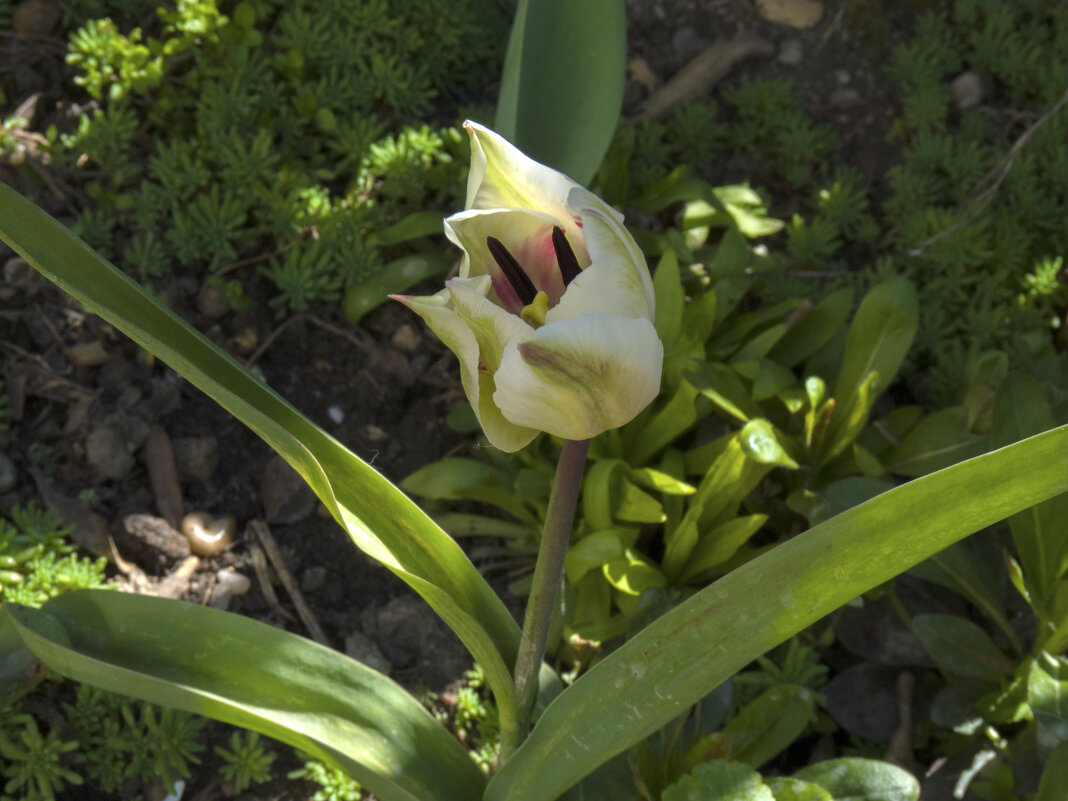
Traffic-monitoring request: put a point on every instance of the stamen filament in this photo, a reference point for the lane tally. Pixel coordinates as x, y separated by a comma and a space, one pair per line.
565, 256
519, 280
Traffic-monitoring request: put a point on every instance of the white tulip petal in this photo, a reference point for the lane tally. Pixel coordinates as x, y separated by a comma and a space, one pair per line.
503, 177
617, 280
492, 326
478, 385
579, 377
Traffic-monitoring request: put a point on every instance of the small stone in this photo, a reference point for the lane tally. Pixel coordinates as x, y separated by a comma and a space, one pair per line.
211, 302
107, 452
35, 17
88, 354
8, 475
686, 43
235, 583
405, 338
363, 650
373, 433
313, 579
843, 95
791, 52
195, 457
18, 273
791, 13
287, 498
842, 76
643, 74
335, 414
967, 90
158, 534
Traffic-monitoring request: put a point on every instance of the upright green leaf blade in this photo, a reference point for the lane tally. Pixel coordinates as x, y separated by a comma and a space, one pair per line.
378, 517
562, 86
675, 661
878, 340
234, 669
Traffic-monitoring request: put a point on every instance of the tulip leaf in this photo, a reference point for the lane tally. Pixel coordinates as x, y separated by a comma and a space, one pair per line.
562, 85
682, 656
252, 675
379, 518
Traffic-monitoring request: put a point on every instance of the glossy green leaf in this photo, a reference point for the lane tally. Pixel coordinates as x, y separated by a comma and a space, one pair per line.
1040, 533
790, 789
670, 299
972, 569
719, 544
20, 670
675, 661
855, 779
1054, 779
878, 340
720, 780
814, 330
562, 84
660, 481
768, 724
937, 441
665, 425
593, 551
632, 574
961, 648
249, 674
396, 277
1047, 693
378, 517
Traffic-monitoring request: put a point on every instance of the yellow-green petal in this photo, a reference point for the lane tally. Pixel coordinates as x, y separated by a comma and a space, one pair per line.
576, 378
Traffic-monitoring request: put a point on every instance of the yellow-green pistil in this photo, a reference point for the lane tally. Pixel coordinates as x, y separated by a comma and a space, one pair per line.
535, 302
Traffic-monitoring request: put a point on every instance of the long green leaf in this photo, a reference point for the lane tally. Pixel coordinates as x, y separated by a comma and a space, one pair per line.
675, 661
379, 518
562, 85
235, 669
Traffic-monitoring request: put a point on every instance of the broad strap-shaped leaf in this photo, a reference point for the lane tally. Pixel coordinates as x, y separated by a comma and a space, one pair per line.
379, 518
675, 661
561, 109
237, 670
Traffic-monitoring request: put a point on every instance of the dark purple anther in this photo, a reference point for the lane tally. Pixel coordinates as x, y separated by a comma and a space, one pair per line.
519, 280
565, 256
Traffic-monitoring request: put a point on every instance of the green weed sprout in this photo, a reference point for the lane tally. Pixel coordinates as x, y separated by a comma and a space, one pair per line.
37, 560
247, 762
163, 743
334, 783
34, 766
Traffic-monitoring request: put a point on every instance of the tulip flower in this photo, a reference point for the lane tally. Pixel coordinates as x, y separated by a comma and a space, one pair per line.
551, 314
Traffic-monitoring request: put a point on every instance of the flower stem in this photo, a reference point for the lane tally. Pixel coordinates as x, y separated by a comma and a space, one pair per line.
548, 572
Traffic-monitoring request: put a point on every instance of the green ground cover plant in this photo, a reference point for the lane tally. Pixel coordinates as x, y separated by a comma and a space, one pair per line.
285, 140
972, 211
